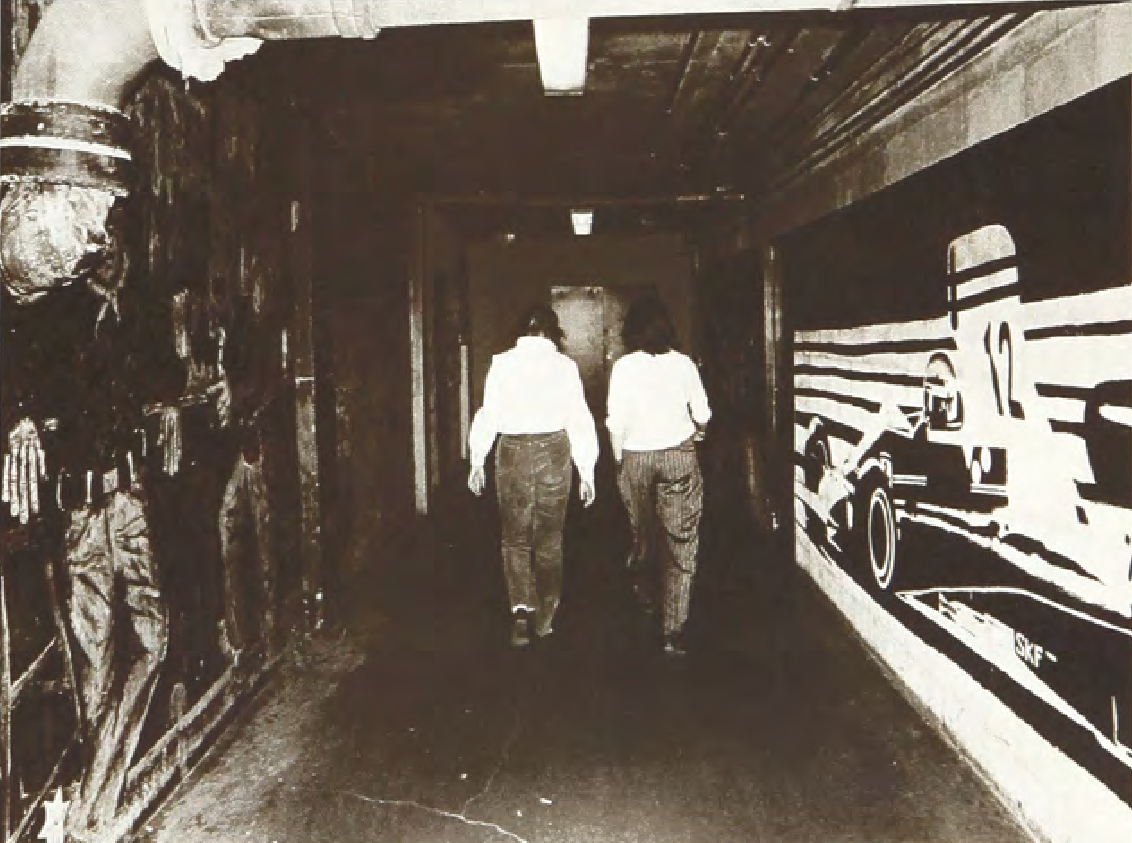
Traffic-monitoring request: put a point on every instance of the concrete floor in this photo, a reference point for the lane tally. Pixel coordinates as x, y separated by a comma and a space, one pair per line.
414, 722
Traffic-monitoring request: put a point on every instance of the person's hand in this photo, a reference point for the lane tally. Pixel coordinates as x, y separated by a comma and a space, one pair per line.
700, 434
477, 480
169, 439
25, 465
223, 393
586, 493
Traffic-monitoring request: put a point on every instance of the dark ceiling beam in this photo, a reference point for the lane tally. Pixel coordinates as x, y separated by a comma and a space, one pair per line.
854, 57
869, 85
848, 41
690, 48
759, 66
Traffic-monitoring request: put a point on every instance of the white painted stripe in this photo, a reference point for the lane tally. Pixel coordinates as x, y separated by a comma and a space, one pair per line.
1021, 592
855, 417
1117, 414
983, 283
909, 480
1063, 409
1077, 361
988, 489
1081, 309
881, 362
39, 142
883, 393
937, 328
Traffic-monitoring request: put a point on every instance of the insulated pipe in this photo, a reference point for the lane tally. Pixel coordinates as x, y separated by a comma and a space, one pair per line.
65, 142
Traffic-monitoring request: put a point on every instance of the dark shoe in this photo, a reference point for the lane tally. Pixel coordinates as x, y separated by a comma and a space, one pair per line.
640, 594
520, 630
542, 622
674, 645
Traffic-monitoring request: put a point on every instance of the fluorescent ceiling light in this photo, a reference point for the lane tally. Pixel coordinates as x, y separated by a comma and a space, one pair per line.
583, 221
562, 46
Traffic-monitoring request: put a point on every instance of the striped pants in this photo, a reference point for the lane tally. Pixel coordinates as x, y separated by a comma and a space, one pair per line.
665, 489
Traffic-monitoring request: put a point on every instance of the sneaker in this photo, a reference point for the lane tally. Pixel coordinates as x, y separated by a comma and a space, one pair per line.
520, 630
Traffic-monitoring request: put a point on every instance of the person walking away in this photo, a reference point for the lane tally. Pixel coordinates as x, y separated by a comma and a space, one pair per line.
657, 411
534, 403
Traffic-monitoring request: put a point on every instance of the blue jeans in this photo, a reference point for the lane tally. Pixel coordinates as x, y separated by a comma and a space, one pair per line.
533, 475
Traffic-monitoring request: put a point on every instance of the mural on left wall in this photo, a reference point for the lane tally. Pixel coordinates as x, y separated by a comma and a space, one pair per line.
145, 443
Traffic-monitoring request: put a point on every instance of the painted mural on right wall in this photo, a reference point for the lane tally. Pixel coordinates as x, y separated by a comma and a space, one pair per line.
962, 360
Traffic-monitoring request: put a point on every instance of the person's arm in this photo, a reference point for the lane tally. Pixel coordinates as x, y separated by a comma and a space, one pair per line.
615, 411
485, 427
697, 400
581, 431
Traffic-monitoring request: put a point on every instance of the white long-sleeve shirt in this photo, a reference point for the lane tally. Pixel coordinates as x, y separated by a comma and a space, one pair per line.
534, 388
655, 401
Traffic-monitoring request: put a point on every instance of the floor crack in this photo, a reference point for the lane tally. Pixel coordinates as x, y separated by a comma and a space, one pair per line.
504, 756
409, 803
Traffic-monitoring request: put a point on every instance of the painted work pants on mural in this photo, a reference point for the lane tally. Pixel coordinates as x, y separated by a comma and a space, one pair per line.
533, 474
663, 493
245, 518
118, 619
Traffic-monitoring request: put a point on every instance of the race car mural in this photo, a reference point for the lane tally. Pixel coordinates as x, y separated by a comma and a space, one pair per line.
1000, 428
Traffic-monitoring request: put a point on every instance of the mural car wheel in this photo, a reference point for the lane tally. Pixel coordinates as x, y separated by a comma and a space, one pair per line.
878, 532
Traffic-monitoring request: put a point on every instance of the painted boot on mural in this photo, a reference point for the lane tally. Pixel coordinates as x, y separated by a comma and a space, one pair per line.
227, 647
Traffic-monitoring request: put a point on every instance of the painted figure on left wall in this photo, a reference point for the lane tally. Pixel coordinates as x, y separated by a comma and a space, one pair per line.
251, 373
79, 365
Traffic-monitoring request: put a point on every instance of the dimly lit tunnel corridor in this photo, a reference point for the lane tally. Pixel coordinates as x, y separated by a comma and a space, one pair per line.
258, 260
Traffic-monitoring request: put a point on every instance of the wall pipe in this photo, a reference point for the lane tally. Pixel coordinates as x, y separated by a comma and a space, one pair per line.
65, 140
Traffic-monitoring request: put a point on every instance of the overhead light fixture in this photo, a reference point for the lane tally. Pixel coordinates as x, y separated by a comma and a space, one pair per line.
562, 46
583, 222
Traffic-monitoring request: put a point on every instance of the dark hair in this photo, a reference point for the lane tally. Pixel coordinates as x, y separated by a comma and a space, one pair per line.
648, 327
540, 320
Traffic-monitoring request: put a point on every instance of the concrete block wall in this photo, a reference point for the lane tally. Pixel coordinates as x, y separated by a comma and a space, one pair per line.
1049, 60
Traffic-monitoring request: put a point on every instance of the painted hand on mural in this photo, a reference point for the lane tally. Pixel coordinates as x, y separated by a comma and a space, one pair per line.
223, 393
169, 439
25, 465
477, 480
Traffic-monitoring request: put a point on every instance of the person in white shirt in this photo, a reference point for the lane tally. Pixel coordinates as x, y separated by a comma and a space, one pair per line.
533, 401
657, 412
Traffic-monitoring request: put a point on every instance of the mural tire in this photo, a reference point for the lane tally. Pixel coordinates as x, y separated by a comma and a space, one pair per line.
876, 533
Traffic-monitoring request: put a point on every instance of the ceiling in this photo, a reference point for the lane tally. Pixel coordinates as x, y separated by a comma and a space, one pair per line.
676, 106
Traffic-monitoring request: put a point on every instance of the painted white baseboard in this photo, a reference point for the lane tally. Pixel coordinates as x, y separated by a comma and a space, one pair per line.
1051, 795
